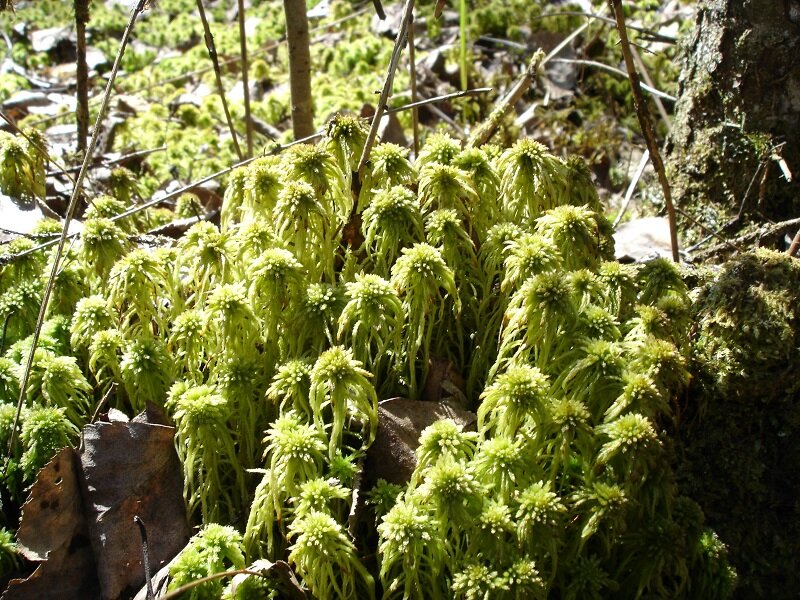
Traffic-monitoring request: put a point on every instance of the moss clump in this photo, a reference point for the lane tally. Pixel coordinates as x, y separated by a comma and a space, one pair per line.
749, 326
740, 432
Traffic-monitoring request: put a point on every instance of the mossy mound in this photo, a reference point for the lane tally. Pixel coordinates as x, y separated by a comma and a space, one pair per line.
740, 436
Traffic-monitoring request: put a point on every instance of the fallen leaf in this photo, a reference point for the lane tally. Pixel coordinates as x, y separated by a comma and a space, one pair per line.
55, 533
78, 520
131, 469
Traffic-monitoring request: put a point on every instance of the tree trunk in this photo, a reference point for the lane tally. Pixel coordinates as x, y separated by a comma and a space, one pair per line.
738, 117
299, 67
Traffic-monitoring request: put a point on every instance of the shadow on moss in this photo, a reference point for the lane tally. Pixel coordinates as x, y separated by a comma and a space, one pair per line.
739, 437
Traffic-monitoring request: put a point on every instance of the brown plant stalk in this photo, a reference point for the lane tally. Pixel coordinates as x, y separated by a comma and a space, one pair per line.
646, 123
248, 119
82, 73
299, 67
212, 53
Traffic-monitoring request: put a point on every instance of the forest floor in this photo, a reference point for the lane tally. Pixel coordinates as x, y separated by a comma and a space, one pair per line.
166, 124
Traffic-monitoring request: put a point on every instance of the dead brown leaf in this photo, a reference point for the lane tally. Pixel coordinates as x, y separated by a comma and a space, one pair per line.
78, 520
131, 469
55, 533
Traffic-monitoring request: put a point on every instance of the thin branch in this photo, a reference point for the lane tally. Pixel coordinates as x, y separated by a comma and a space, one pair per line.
436, 99
145, 556
462, 43
647, 125
82, 72
632, 187
132, 210
111, 389
656, 98
762, 169
593, 63
193, 584
30, 236
73, 203
402, 35
9, 46
707, 230
278, 148
564, 43
736, 243
212, 53
5, 330
245, 84
656, 37
529, 113
503, 42
412, 72
379, 9
110, 163
486, 130
794, 245
438, 112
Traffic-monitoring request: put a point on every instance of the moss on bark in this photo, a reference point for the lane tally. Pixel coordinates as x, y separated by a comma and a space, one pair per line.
739, 435
739, 100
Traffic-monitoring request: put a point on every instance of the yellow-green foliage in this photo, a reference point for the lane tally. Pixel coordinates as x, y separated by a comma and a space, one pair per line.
22, 162
266, 338
749, 319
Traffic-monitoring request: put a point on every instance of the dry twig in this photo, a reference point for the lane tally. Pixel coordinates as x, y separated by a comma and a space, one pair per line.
753, 236
795, 244
647, 125
649, 33
486, 130
657, 94
82, 73
435, 99
632, 187
212, 53
245, 83
412, 71
402, 35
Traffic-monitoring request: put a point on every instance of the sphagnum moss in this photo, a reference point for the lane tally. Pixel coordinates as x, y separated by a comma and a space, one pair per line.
269, 326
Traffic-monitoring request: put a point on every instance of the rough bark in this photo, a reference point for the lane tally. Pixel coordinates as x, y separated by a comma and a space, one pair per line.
739, 101
299, 67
